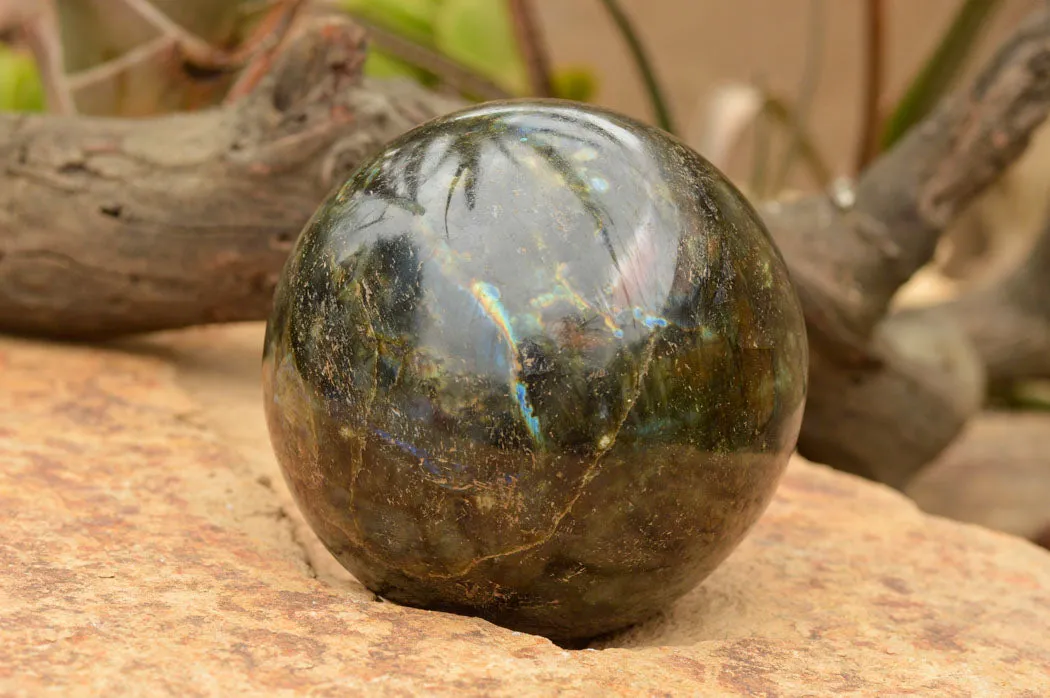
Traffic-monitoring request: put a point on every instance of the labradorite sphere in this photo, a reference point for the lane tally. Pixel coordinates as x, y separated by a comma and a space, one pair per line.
535, 362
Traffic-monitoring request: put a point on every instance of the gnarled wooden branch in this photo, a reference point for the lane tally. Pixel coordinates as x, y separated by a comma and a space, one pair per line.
886, 396
855, 257
1008, 318
112, 226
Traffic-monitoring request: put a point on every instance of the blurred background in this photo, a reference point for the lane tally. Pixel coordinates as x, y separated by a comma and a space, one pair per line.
696, 47
699, 46
786, 96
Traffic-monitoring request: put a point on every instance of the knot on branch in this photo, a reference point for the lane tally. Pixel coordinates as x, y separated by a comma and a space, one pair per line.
324, 56
305, 100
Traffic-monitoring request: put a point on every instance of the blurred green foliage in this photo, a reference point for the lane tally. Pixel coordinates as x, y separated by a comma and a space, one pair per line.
941, 70
412, 19
575, 82
476, 34
20, 87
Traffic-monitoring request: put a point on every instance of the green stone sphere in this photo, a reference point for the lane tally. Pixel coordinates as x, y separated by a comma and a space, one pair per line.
535, 362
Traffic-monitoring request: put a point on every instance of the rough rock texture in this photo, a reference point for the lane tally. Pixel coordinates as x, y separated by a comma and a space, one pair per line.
148, 548
997, 475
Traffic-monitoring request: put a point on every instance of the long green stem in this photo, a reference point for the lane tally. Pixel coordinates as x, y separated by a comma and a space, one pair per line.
641, 59
874, 63
940, 70
532, 46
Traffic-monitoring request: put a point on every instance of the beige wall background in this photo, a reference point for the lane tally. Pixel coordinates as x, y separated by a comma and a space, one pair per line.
697, 45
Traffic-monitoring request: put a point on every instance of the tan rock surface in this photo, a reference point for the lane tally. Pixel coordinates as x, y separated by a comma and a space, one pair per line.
148, 548
997, 475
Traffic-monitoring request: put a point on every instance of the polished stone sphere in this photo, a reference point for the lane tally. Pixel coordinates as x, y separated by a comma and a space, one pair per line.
535, 362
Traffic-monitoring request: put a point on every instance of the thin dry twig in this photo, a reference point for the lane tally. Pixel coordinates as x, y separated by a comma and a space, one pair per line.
110, 69
803, 140
202, 54
532, 46
806, 91
262, 46
735, 108
762, 141
38, 30
641, 59
265, 37
874, 63
271, 29
194, 49
15, 13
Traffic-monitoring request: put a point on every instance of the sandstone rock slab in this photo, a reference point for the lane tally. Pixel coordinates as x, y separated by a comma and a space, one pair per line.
997, 474
148, 548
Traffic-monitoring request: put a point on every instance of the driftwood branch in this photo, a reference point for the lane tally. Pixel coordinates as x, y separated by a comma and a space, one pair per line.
110, 227
887, 395
533, 49
853, 258
1008, 318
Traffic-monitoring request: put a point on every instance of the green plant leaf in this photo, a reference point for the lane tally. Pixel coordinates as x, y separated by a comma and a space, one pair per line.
1028, 395
575, 82
478, 34
380, 64
20, 86
411, 19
